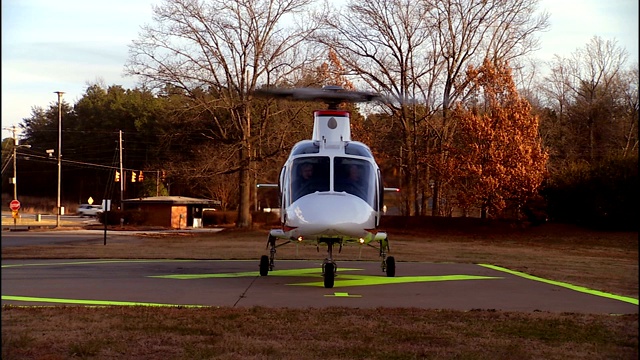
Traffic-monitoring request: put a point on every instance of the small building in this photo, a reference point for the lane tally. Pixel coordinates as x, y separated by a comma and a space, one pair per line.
177, 212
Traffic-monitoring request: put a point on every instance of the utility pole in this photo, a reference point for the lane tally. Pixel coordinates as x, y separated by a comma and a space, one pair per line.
14, 180
122, 176
15, 173
59, 154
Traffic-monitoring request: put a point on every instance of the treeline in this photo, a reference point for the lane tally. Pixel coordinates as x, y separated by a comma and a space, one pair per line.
471, 128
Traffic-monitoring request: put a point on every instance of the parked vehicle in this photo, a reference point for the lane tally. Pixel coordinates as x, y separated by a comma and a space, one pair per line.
89, 210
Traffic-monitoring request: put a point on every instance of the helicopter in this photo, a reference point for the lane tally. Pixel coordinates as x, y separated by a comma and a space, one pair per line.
330, 188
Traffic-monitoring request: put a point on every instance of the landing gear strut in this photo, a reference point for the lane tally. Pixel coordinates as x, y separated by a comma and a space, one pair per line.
267, 263
329, 267
388, 262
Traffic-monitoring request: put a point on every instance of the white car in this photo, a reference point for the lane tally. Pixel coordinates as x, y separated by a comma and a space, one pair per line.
89, 210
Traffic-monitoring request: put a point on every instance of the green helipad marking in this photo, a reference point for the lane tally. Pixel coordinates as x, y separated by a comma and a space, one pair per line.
346, 280
88, 302
343, 294
564, 285
343, 279
314, 272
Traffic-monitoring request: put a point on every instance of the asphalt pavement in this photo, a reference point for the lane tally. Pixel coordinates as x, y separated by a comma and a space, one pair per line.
294, 284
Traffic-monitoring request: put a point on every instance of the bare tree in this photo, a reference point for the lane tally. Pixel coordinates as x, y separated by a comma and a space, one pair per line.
388, 46
593, 104
417, 52
218, 52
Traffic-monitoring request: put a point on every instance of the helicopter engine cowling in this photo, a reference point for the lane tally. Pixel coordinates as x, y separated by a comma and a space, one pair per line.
323, 214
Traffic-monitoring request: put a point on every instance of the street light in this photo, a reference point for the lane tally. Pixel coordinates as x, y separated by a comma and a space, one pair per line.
59, 153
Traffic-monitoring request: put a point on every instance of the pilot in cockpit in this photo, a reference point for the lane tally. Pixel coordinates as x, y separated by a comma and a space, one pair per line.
303, 182
353, 174
353, 181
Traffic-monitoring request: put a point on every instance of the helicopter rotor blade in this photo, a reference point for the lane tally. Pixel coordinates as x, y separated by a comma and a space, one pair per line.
330, 95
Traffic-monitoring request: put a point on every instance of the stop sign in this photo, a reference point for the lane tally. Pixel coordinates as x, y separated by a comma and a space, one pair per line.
14, 205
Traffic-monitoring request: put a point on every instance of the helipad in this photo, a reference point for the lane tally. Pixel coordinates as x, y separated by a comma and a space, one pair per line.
295, 284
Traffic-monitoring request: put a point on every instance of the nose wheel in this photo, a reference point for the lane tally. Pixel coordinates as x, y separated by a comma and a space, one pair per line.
329, 267
329, 274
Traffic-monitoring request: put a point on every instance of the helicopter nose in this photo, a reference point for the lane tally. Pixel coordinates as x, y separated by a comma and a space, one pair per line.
331, 214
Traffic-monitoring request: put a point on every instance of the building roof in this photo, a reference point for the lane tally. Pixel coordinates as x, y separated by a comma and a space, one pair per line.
174, 200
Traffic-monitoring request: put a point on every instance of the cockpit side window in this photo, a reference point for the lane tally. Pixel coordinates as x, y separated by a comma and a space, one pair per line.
305, 147
359, 149
309, 174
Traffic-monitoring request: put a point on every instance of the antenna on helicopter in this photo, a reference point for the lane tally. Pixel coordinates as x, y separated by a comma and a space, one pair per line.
331, 95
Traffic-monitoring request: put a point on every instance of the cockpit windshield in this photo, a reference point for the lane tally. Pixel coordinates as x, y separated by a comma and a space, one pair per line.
309, 174
356, 177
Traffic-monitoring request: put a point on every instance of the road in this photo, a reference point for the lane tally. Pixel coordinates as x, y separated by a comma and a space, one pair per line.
27, 220
52, 237
22, 238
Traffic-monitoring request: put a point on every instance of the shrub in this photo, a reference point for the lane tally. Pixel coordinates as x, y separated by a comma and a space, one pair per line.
602, 196
219, 218
130, 217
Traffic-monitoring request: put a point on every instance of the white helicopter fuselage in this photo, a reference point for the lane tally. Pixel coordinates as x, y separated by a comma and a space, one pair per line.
330, 187
341, 196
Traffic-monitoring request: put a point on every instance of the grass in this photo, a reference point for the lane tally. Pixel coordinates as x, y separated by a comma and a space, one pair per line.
598, 260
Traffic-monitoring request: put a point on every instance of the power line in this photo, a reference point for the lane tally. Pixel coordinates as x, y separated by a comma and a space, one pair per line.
67, 161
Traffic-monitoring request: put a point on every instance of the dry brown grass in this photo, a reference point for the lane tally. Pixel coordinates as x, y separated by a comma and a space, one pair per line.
598, 260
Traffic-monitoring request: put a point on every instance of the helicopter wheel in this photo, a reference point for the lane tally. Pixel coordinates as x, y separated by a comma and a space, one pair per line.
329, 275
391, 266
264, 265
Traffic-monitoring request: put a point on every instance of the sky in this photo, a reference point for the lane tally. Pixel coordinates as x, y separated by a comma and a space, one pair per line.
64, 45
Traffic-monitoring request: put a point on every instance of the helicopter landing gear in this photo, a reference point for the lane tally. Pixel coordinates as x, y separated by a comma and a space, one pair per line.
329, 267
268, 262
264, 265
391, 266
388, 262
329, 274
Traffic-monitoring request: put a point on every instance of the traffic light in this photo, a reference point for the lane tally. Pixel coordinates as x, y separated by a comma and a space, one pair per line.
141, 176
117, 176
133, 176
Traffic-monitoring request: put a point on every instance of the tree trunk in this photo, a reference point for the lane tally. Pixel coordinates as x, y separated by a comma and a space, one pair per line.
244, 193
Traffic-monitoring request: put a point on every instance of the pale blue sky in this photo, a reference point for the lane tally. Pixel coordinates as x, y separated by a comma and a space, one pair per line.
65, 44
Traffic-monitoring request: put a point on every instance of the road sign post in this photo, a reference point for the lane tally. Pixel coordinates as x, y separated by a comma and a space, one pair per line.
106, 206
14, 205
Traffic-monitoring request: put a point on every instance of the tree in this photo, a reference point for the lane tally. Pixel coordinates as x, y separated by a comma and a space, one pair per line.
387, 45
416, 52
592, 105
467, 33
217, 52
498, 156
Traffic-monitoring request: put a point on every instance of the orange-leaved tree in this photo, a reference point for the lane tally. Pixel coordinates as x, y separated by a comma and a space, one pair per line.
497, 153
